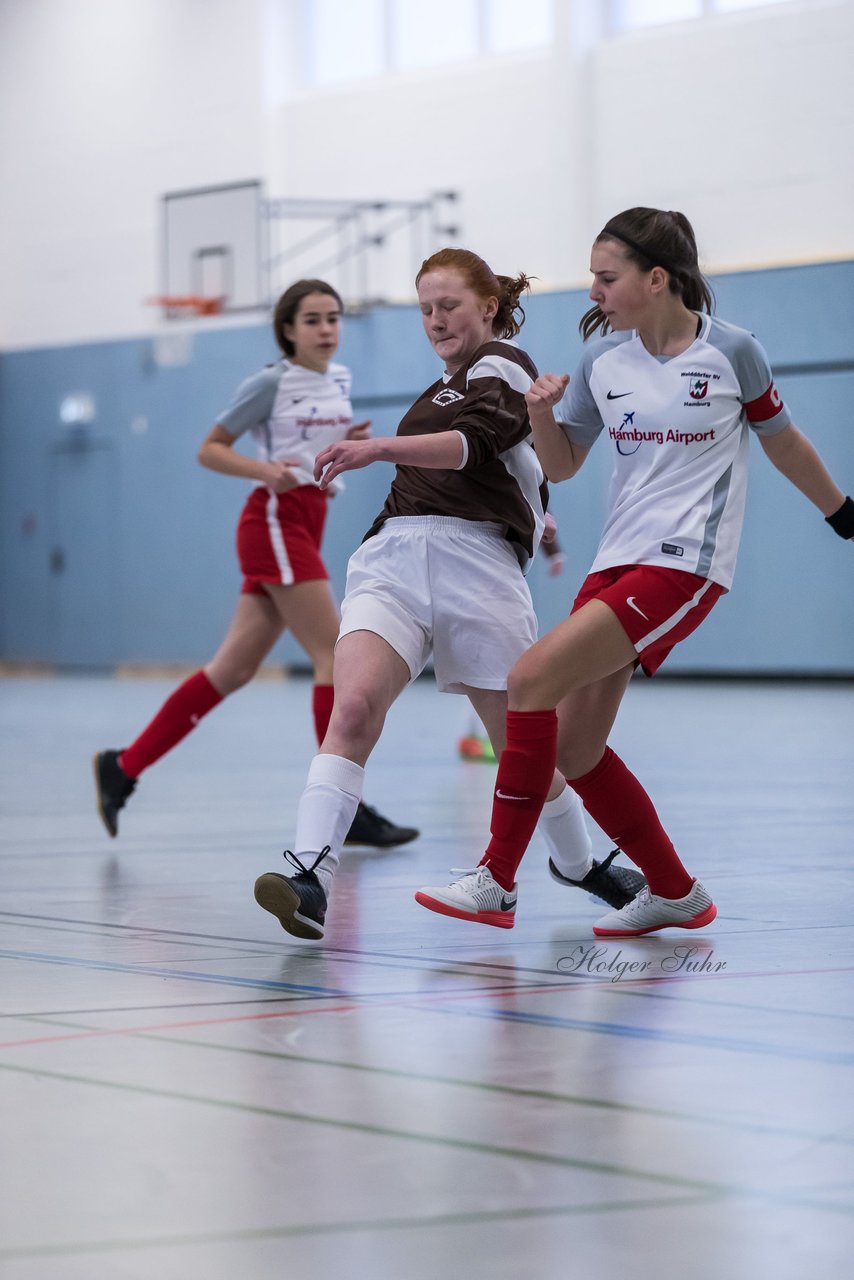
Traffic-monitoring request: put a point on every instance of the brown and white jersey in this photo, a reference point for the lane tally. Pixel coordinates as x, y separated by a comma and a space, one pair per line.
500, 478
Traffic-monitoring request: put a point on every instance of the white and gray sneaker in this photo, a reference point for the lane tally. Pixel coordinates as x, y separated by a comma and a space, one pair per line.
473, 896
647, 912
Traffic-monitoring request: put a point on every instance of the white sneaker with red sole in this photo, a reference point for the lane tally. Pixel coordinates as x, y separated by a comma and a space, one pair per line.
647, 913
474, 896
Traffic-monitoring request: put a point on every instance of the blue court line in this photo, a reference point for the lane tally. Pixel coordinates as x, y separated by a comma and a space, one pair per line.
509, 1015
832, 1058
269, 984
155, 971
382, 959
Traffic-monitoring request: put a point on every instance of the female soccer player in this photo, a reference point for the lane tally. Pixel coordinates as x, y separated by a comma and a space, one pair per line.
293, 409
441, 571
676, 393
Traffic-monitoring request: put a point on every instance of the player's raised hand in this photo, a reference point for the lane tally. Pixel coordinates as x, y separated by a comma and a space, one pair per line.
547, 391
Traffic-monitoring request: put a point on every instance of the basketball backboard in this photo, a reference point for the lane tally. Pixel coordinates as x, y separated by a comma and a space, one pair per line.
212, 245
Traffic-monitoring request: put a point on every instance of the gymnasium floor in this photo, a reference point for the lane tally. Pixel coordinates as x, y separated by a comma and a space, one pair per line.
189, 1093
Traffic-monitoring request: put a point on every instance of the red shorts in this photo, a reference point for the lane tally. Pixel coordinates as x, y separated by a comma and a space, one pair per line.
279, 536
657, 607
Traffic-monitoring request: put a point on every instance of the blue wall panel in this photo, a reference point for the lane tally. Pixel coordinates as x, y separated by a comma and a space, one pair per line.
148, 536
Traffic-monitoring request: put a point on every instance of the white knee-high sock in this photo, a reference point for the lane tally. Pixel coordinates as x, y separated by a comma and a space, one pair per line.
326, 809
564, 829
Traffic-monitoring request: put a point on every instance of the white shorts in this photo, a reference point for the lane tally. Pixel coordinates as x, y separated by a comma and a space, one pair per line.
453, 588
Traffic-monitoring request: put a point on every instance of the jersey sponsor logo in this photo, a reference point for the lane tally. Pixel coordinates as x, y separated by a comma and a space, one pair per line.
630, 601
618, 395
671, 549
447, 396
312, 423
629, 438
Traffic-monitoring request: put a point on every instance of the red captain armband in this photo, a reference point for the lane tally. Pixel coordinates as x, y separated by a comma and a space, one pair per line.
766, 407
842, 521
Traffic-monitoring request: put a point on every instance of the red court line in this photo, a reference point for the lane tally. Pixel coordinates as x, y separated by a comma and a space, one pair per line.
412, 999
176, 1026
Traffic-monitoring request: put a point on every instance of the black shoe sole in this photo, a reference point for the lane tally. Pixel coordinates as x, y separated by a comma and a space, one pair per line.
109, 818
276, 895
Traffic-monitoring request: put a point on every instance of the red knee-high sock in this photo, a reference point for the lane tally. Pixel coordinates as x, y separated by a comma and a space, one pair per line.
525, 773
180, 713
321, 707
617, 802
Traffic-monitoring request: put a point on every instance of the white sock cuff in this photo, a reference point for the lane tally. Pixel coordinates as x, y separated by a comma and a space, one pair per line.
562, 803
337, 771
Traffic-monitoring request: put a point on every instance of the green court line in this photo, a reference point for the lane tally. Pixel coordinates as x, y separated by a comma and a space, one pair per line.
438, 1140
384, 1131
351, 1227
508, 1090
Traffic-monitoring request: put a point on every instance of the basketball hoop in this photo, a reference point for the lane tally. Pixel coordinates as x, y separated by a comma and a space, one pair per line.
192, 304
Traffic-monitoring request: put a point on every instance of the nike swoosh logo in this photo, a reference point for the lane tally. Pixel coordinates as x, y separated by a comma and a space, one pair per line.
630, 601
506, 905
504, 795
619, 395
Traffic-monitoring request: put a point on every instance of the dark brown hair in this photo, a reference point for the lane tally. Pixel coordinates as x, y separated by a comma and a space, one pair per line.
288, 306
656, 238
480, 278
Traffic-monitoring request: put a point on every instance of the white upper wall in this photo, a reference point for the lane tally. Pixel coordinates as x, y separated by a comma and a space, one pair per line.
743, 121
747, 125
105, 105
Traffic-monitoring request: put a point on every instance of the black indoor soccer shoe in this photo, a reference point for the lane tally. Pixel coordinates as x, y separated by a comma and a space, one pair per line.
371, 828
113, 787
298, 902
615, 885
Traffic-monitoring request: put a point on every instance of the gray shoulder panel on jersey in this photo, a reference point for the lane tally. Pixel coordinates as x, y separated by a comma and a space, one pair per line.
751, 366
253, 401
578, 414
745, 354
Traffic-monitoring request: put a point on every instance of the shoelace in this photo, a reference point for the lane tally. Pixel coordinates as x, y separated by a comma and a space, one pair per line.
606, 862
295, 862
478, 872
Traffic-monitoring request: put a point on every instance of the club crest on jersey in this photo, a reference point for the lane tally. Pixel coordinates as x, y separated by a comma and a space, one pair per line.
447, 396
699, 389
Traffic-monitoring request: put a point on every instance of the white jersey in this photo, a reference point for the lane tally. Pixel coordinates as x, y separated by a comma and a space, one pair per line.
678, 427
293, 413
